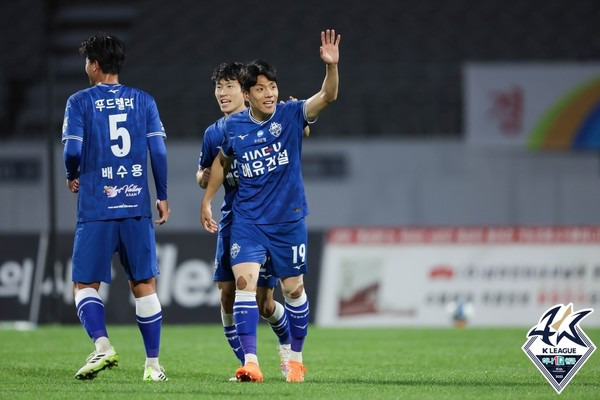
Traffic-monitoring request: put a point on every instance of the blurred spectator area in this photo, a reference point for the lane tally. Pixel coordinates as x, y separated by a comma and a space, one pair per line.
400, 60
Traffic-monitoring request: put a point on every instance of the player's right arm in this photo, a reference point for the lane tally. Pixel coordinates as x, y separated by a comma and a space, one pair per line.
72, 157
72, 138
219, 166
202, 177
209, 151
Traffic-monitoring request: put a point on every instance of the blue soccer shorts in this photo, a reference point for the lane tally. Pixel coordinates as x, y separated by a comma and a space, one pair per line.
97, 241
223, 271
284, 243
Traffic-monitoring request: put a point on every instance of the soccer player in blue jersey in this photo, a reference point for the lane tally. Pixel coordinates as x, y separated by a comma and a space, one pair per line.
230, 98
270, 206
108, 131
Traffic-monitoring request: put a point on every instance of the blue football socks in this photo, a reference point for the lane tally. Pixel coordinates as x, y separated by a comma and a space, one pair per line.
297, 312
245, 315
90, 310
149, 318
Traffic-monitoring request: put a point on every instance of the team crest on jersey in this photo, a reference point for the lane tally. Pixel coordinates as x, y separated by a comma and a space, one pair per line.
275, 129
558, 346
235, 250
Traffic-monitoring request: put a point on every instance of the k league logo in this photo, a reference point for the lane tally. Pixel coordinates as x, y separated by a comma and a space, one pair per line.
558, 346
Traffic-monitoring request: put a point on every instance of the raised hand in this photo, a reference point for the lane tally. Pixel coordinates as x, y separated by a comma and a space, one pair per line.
329, 49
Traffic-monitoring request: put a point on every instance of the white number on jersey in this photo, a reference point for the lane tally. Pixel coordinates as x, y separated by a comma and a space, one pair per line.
299, 251
117, 132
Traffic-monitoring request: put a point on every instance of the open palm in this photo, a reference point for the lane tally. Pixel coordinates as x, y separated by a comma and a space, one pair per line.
329, 49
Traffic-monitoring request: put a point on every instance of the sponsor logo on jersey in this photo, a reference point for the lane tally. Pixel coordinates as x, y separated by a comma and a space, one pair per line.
129, 190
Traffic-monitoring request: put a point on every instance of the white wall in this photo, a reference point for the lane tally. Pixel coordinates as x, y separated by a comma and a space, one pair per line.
388, 183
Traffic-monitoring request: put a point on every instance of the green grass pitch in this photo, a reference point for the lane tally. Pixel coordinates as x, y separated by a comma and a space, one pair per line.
392, 363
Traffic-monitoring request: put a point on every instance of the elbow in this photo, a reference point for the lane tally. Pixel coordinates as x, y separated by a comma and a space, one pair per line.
330, 97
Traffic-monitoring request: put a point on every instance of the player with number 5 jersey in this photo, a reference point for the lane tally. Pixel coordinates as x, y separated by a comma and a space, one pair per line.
108, 131
114, 124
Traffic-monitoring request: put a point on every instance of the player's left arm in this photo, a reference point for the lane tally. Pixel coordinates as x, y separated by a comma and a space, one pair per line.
329, 52
158, 161
306, 131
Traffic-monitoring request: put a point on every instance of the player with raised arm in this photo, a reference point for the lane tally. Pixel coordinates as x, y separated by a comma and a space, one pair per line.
108, 131
230, 98
270, 206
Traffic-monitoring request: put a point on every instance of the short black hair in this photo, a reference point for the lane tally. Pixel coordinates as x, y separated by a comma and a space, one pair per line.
255, 68
107, 50
227, 71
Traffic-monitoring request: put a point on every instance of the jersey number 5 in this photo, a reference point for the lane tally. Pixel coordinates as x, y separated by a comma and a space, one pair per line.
117, 132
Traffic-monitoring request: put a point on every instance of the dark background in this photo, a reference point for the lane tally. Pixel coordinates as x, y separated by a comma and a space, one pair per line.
185, 287
400, 67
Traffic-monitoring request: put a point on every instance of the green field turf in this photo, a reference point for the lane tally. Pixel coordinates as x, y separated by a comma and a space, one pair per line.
342, 364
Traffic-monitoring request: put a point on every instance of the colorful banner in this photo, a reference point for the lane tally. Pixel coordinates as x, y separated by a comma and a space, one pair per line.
456, 276
536, 106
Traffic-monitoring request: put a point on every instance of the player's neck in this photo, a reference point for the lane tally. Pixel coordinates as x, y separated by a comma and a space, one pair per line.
237, 110
258, 116
109, 79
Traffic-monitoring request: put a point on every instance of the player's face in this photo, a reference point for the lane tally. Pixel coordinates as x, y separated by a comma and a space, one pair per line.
229, 96
263, 97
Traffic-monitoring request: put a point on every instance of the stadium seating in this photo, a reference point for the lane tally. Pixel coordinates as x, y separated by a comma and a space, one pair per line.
401, 61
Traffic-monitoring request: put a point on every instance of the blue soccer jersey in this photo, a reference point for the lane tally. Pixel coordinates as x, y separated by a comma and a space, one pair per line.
270, 186
114, 123
211, 145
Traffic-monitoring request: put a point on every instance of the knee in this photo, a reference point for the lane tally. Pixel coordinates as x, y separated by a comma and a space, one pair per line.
266, 308
241, 283
294, 293
227, 300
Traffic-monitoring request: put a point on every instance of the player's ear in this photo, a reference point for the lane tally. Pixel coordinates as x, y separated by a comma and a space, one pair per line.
245, 94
